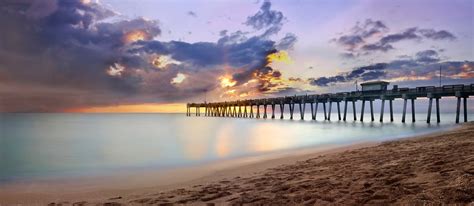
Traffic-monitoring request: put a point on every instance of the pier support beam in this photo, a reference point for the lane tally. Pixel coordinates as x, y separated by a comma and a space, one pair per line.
338, 111
265, 111
381, 109
458, 107
413, 109
302, 108
345, 110
251, 111
258, 111
313, 114
292, 108
430, 103
438, 119
273, 110
354, 112
465, 109
329, 111
324, 108
371, 110
362, 111
460, 95
282, 109
245, 112
404, 110
391, 109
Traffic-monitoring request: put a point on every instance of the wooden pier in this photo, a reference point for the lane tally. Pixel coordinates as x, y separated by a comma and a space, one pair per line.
245, 108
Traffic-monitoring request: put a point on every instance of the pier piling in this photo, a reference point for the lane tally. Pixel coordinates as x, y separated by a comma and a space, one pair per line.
412, 109
371, 110
381, 109
345, 111
302, 108
324, 108
329, 111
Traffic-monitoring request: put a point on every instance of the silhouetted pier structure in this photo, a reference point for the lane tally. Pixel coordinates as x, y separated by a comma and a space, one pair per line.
371, 91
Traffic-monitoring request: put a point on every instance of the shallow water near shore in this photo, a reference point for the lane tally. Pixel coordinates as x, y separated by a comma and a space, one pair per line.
35, 146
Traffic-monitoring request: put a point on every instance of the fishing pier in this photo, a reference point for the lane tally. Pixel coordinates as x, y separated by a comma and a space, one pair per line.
371, 91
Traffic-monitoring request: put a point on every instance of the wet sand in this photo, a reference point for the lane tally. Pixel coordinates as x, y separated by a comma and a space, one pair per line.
431, 169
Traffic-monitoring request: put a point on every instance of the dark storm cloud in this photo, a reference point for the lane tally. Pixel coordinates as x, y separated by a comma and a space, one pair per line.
68, 54
249, 53
372, 36
266, 18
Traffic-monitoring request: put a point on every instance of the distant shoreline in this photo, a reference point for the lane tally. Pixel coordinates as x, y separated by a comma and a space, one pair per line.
148, 187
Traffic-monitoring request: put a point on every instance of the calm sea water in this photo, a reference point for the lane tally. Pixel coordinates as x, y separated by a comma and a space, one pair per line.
62, 145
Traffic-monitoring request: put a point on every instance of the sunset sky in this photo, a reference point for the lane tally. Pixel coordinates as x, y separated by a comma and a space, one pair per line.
156, 55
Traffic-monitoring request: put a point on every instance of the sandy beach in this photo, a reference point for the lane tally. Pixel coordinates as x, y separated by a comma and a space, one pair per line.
430, 169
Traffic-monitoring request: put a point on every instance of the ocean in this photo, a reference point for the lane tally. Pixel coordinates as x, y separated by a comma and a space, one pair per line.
50, 145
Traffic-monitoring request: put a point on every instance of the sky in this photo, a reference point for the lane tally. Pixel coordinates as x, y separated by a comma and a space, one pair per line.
156, 55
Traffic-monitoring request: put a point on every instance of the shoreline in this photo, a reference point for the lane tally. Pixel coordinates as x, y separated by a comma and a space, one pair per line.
44, 191
100, 192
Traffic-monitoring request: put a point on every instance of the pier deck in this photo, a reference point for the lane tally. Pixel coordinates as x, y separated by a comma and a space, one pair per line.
245, 108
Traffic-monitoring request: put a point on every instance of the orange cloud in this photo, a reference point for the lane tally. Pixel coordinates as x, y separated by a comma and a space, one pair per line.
137, 35
281, 56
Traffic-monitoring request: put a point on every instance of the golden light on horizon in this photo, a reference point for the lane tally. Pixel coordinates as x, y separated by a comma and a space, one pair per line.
227, 81
134, 108
180, 77
280, 56
137, 35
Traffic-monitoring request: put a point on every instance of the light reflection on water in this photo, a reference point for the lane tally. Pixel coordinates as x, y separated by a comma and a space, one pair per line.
50, 145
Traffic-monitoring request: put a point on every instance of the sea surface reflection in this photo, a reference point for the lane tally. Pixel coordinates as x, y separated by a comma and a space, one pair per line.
62, 145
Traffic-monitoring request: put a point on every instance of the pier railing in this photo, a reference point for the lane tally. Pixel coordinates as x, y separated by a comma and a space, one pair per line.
245, 108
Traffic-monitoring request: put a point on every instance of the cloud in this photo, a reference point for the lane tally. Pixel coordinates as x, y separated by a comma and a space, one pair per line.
372, 36
192, 14
427, 56
287, 42
424, 65
360, 33
364, 73
437, 35
70, 54
266, 18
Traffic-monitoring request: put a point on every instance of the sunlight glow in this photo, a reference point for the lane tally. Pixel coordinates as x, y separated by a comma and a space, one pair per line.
116, 70
178, 79
137, 35
227, 81
281, 56
162, 61
134, 108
